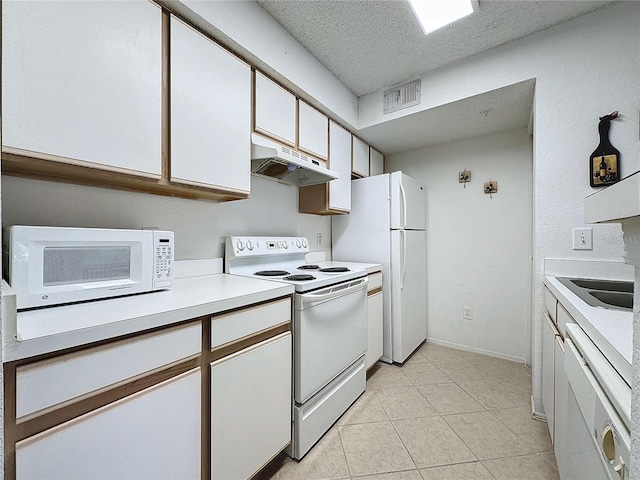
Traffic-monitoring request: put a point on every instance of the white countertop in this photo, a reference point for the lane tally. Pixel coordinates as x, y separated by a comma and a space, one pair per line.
51, 329
610, 330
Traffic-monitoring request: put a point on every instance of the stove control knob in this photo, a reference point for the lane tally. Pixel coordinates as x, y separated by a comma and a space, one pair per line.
298, 243
249, 245
240, 245
285, 245
304, 243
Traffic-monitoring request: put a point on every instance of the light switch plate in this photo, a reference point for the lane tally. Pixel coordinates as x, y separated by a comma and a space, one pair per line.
583, 239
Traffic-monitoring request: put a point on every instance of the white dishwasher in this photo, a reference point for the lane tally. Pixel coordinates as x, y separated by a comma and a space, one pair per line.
595, 439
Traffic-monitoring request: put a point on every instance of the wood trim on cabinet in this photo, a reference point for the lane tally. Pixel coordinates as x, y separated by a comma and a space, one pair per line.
205, 401
266, 133
11, 152
10, 431
314, 199
374, 291
41, 421
30, 165
232, 347
166, 94
273, 137
302, 149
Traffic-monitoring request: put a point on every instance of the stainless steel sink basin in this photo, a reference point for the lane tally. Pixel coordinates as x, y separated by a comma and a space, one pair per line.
610, 294
615, 299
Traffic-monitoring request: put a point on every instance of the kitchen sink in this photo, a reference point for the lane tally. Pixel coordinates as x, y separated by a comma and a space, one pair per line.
608, 285
617, 295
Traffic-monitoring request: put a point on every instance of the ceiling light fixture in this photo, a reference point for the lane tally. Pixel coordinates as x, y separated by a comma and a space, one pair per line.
435, 14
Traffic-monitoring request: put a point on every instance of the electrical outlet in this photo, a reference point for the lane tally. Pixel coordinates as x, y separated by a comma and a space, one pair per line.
319, 239
467, 313
583, 239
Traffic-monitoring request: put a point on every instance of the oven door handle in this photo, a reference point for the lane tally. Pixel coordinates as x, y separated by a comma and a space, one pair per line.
332, 292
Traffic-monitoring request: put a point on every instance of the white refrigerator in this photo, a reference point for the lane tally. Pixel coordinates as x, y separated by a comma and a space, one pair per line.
386, 225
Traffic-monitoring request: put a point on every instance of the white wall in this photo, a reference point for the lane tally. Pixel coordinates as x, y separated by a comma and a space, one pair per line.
584, 69
199, 226
478, 247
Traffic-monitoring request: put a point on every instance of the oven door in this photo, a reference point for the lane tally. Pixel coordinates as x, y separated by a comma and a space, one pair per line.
330, 333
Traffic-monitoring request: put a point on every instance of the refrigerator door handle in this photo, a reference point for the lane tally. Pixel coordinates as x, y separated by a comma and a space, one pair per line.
404, 257
404, 205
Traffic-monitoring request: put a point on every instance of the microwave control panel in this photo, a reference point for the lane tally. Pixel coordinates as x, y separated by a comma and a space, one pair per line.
163, 259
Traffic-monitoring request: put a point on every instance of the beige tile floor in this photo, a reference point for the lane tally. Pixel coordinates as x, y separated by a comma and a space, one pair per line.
445, 414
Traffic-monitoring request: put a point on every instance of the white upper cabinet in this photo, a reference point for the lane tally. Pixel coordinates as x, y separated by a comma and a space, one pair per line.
376, 162
82, 81
275, 111
313, 131
210, 113
360, 158
340, 161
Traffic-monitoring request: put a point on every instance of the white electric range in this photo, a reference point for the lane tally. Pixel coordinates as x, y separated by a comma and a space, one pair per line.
329, 328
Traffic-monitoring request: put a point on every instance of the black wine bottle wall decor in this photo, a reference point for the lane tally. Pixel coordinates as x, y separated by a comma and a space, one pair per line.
604, 164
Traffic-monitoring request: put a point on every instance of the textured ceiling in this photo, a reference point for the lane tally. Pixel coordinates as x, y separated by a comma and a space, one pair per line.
495, 111
373, 44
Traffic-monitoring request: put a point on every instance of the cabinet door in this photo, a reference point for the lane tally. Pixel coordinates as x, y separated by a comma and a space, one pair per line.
250, 408
210, 113
374, 329
275, 111
152, 434
340, 161
376, 162
81, 81
561, 388
360, 166
313, 131
548, 369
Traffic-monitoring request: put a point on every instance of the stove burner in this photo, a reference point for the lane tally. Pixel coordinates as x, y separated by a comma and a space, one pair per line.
271, 273
309, 267
334, 269
299, 278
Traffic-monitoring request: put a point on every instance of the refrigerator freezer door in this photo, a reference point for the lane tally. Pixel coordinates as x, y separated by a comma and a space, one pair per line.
408, 292
408, 202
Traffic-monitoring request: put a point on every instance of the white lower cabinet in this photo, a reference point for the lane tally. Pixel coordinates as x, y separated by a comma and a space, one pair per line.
549, 334
374, 320
561, 390
155, 433
250, 408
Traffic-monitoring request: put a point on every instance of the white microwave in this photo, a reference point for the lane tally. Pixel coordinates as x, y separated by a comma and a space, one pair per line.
54, 265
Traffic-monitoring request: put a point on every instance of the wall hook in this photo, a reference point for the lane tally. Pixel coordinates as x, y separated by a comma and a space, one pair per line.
490, 187
464, 177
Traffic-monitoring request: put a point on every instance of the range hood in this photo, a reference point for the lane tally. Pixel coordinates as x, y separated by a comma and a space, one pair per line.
286, 165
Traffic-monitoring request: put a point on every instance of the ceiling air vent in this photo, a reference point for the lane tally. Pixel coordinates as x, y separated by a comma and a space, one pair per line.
402, 96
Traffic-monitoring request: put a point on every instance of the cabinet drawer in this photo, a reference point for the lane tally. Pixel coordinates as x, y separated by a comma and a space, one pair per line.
375, 281
563, 319
47, 383
248, 321
550, 303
